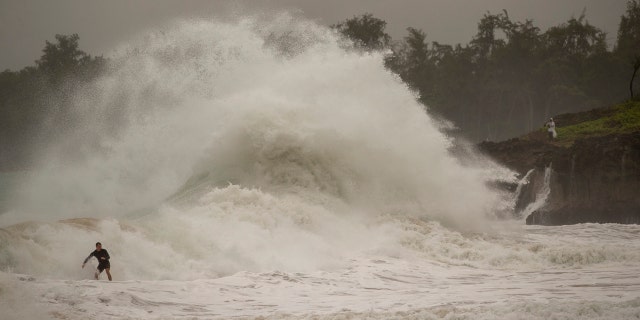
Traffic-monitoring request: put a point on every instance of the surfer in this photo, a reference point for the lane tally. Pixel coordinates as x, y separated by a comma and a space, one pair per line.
103, 260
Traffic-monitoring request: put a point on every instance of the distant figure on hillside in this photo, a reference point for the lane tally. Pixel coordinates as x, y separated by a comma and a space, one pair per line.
551, 129
103, 260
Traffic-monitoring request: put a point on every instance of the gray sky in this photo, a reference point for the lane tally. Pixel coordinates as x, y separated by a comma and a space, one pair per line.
102, 24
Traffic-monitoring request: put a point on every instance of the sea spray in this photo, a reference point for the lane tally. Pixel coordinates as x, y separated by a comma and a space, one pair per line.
211, 148
541, 196
523, 182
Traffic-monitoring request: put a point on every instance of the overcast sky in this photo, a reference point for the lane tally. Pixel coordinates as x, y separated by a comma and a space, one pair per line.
25, 25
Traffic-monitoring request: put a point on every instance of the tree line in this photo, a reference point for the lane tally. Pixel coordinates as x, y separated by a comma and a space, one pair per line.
512, 76
507, 81
35, 101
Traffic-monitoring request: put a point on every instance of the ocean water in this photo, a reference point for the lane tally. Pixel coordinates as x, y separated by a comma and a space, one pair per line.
261, 169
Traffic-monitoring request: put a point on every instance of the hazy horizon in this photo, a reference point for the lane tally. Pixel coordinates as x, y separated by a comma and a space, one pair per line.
25, 26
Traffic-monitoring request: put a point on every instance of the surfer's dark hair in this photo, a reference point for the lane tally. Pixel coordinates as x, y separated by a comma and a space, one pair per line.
98, 243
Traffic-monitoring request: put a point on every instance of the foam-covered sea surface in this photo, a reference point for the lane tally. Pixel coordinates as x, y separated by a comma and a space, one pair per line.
262, 169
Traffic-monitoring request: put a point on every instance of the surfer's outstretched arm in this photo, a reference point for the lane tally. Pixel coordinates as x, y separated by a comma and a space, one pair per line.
87, 259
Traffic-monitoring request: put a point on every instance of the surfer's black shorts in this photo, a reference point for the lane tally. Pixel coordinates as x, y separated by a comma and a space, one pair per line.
104, 265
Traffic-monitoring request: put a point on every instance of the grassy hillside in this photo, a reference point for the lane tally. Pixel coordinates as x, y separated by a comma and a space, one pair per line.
619, 119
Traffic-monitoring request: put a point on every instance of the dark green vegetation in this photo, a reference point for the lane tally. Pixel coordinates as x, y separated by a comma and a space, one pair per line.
619, 119
512, 76
623, 118
34, 101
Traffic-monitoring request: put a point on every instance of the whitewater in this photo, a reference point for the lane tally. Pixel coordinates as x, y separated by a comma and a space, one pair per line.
263, 168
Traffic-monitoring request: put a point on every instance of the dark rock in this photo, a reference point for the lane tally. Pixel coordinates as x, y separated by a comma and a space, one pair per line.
573, 215
521, 155
595, 180
502, 185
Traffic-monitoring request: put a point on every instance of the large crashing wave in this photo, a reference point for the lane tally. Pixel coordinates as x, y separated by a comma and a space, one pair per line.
219, 147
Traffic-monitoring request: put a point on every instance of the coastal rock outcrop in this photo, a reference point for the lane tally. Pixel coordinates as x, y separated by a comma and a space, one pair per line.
596, 179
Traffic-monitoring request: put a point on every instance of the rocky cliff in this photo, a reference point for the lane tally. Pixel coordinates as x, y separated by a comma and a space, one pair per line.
589, 178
